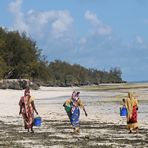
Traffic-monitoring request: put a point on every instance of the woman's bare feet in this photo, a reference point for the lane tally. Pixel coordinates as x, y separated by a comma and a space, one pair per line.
130, 131
136, 130
32, 130
76, 130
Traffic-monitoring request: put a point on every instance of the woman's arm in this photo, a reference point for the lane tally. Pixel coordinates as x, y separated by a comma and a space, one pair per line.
82, 106
20, 104
33, 105
20, 110
84, 111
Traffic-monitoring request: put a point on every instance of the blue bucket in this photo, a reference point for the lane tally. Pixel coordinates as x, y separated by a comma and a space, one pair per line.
37, 121
123, 111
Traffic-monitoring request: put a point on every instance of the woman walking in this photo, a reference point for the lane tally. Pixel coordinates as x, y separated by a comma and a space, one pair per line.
75, 103
132, 107
27, 108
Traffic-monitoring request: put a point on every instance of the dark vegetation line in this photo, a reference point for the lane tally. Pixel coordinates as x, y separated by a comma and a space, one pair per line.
20, 58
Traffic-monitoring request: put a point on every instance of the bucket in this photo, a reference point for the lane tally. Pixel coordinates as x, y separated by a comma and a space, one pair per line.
123, 111
68, 108
37, 121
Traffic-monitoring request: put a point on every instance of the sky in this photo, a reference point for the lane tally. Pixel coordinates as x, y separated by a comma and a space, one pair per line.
99, 34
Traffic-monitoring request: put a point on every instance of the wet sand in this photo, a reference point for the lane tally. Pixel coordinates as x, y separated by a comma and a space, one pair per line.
55, 133
102, 128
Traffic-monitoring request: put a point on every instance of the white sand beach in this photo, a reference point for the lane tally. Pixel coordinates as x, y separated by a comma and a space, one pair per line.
102, 108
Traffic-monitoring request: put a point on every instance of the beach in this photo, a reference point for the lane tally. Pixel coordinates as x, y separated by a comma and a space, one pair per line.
103, 127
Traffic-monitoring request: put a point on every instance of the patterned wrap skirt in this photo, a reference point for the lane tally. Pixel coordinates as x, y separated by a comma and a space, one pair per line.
74, 118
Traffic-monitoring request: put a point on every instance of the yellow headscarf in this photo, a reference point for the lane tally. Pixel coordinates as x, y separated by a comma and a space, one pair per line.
130, 102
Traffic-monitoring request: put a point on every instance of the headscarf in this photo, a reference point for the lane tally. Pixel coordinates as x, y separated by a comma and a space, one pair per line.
27, 92
130, 102
75, 95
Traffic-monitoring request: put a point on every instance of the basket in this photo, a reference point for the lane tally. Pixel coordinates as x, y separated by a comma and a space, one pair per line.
68, 108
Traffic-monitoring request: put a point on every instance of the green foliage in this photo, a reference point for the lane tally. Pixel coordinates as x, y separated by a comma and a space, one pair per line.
2, 67
63, 73
21, 58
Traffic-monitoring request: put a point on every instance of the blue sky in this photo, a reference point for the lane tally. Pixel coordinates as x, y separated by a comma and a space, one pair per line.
99, 34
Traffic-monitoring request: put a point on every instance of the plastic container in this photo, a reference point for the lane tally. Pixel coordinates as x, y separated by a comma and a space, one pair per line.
68, 108
123, 111
37, 121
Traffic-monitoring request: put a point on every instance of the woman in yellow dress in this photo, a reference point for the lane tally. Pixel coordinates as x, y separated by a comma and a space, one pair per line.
132, 107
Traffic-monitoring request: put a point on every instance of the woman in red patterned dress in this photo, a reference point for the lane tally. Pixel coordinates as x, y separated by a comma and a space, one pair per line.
27, 108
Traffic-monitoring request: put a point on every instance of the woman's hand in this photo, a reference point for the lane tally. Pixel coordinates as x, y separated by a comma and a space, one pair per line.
86, 114
20, 113
36, 112
84, 111
33, 105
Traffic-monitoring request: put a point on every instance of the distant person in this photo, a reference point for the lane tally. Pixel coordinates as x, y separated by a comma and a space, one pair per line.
123, 102
123, 111
123, 106
74, 112
132, 107
27, 108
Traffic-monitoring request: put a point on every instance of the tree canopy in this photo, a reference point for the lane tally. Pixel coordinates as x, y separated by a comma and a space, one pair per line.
20, 57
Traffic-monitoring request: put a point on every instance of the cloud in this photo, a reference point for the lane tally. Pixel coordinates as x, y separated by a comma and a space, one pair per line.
62, 24
83, 40
99, 40
99, 27
52, 30
56, 23
138, 45
139, 40
146, 21
15, 6
15, 9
